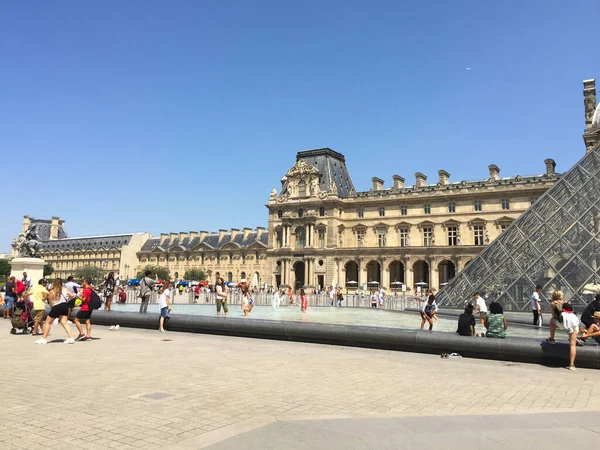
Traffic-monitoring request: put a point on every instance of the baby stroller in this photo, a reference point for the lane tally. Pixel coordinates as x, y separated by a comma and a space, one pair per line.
22, 318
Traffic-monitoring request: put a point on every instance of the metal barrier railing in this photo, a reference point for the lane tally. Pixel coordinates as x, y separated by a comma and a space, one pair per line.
393, 302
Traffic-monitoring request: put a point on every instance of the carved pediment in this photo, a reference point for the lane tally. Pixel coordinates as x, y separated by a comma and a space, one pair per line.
302, 168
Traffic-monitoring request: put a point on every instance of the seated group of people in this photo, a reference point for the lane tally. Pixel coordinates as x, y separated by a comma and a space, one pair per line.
493, 320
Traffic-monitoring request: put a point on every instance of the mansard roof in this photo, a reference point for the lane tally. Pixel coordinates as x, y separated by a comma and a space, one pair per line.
209, 242
332, 167
87, 243
43, 229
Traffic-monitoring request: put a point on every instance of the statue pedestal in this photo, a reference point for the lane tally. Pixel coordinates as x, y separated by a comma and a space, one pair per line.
33, 266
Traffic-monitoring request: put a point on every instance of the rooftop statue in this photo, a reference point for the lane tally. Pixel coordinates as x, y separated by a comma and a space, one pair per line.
28, 243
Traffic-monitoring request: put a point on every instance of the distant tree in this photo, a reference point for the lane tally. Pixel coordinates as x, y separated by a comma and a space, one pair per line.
162, 273
4, 268
194, 275
92, 272
48, 270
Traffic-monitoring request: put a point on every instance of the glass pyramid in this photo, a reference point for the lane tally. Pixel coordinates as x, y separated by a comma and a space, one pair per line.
555, 244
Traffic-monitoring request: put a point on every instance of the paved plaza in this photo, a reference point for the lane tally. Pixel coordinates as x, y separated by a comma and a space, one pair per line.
145, 389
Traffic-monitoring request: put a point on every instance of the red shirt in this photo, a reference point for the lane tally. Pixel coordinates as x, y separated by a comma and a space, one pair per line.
86, 296
20, 286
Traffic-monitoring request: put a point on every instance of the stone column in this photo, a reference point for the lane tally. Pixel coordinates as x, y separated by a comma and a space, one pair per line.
434, 275
385, 280
409, 277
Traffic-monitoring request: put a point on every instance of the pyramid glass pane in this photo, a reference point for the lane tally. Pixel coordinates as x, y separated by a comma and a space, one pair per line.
555, 243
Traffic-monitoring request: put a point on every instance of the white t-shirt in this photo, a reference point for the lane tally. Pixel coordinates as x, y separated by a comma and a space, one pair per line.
535, 298
71, 285
64, 297
162, 298
570, 322
331, 294
481, 304
221, 291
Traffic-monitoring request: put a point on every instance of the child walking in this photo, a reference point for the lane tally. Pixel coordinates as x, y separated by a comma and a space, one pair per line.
304, 300
164, 303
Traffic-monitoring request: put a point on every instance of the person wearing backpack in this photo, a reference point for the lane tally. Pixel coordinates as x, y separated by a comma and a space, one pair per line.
85, 312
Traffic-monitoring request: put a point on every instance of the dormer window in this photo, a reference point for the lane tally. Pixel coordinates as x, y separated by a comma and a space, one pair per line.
302, 188
301, 212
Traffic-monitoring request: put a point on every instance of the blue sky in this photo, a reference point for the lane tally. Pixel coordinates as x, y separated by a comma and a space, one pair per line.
163, 116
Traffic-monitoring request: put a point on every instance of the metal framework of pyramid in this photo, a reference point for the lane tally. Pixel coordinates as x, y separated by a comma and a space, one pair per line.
555, 244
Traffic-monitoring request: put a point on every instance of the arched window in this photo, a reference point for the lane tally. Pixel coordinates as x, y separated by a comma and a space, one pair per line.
243, 275
229, 277
302, 188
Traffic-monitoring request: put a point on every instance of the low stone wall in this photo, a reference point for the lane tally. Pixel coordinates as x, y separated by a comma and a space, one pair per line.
509, 349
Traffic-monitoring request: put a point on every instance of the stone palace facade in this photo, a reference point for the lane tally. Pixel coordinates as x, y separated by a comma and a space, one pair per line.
321, 231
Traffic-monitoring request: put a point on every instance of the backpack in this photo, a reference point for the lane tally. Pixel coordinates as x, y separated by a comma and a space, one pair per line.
95, 301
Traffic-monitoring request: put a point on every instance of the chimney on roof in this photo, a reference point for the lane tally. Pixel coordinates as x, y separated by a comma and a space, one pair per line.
444, 177
163, 237
247, 232
222, 234
494, 172
26, 222
54, 228
182, 236
589, 101
420, 179
550, 166
173, 236
398, 182
193, 234
234, 233
259, 232
203, 235
377, 184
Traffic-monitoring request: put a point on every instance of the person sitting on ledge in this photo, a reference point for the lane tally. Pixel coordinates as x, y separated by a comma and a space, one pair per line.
495, 321
466, 322
593, 331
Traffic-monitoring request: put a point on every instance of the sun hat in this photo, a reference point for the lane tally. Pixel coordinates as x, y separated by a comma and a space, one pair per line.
243, 280
597, 315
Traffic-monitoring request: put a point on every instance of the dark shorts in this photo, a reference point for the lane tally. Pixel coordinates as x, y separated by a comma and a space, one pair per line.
62, 309
84, 315
164, 312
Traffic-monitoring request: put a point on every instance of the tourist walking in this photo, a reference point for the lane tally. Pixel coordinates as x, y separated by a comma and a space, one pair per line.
109, 290
428, 311
380, 296
39, 295
146, 285
466, 322
164, 303
247, 300
331, 295
303, 300
480, 307
196, 293
72, 286
85, 312
10, 296
221, 290
495, 322
339, 296
58, 298
535, 306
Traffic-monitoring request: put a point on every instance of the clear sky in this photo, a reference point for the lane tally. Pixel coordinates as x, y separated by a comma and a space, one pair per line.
167, 116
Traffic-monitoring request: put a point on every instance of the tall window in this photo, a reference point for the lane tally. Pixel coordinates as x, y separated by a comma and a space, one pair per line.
302, 188
231, 258
505, 203
321, 211
452, 235
279, 238
403, 210
427, 208
279, 214
218, 258
382, 212
451, 207
403, 237
427, 237
360, 235
257, 256
382, 237
229, 277
361, 212
244, 258
300, 212
478, 234
477, 205
300, 237
321, 238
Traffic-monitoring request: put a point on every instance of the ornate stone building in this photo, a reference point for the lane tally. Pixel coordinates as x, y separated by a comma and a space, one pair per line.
235, 254
111, 253
321, 231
